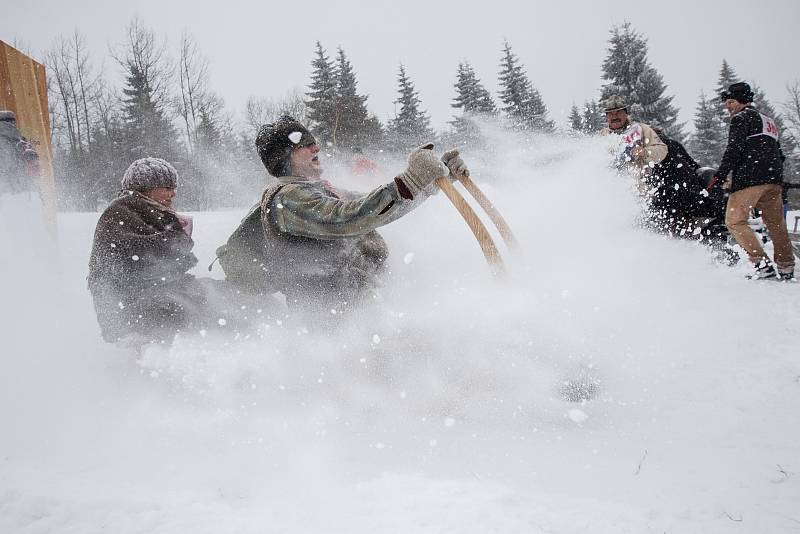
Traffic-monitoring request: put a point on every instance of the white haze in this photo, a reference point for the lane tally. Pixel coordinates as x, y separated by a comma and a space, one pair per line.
436, 410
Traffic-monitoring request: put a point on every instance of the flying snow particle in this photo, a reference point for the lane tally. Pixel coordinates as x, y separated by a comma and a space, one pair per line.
449, 422
408, 258
135, 257
222, 322
577, 416
113, 245
295, 137
380, 446
376, 339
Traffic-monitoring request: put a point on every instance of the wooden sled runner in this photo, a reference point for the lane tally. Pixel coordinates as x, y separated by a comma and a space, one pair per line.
485, 240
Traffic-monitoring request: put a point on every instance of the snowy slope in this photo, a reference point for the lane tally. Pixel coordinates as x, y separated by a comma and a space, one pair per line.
439, 409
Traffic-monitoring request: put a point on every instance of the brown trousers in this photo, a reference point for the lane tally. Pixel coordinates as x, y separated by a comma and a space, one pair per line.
766, 198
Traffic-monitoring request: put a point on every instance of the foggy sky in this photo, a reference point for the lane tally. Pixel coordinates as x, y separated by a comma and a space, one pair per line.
265, 48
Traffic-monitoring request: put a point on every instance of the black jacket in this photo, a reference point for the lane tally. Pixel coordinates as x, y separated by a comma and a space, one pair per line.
754, 152
676, 190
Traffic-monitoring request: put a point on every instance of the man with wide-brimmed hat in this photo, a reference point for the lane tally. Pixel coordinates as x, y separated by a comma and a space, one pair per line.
752, 169
643, 147
317, 244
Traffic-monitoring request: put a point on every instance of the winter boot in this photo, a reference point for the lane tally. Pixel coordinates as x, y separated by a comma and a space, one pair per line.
764, 271
786, 275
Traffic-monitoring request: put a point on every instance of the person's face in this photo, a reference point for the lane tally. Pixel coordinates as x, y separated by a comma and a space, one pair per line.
617, 118
162, 195
733, 106
304, 162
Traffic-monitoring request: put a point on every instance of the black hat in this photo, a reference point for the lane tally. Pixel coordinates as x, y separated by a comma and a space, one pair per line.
276, 141
739, 91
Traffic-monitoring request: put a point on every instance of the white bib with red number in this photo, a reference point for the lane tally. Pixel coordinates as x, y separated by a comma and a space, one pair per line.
768, 127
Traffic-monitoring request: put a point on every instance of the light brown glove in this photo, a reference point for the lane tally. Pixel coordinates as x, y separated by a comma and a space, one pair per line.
453, 161
423, 169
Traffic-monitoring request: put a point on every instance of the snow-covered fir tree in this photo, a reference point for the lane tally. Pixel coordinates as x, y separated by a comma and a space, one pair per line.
474, 100
657, 109
629, 74
594, 117
354, 127
321, 95
575, 119
726, 77
523, 105
147, 130
471, 95
710, 133
411, 125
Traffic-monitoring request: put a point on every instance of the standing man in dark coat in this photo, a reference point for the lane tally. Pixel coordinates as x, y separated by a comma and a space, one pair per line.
141, 255
19, 163
754, 161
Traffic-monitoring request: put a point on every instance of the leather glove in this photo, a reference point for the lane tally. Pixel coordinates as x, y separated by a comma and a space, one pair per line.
453, 161
423, 170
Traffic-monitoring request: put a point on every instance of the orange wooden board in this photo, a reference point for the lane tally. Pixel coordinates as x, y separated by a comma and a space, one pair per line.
23, 90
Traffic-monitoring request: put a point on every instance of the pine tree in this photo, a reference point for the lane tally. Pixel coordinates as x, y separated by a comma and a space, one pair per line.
524, 106
147, 130
709, 139
322, 95
594, 118
411, 125
474, 101
575, 119
727, 76
471, 95
354, 127
657, 109
629, 75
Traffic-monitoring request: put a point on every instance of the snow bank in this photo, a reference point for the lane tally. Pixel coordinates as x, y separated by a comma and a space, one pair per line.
442, 407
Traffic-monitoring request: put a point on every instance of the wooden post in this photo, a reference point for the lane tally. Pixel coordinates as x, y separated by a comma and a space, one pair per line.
23, 90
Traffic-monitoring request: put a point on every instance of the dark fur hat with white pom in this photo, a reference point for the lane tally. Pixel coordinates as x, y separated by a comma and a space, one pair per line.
276, 141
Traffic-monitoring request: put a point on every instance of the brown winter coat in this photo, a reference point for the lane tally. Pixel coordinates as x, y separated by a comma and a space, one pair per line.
138, 269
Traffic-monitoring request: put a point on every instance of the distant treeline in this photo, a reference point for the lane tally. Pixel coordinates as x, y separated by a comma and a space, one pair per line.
167, 108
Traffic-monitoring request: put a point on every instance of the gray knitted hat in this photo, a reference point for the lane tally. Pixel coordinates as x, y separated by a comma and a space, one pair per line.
7, 116
149, 173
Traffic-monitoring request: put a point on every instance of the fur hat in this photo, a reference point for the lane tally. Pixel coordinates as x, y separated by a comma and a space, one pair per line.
613, 103
276, 141
7, 116
149, 173
739, 91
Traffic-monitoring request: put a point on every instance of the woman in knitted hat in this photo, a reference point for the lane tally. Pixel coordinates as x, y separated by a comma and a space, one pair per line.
141, 255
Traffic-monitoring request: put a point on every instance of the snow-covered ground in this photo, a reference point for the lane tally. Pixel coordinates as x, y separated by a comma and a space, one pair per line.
438, 410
